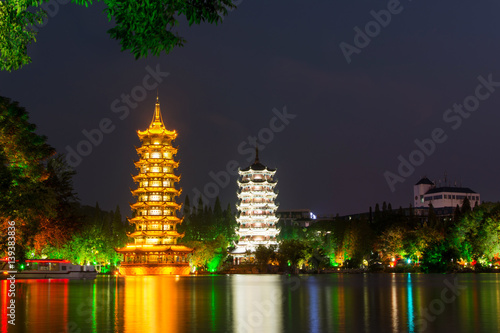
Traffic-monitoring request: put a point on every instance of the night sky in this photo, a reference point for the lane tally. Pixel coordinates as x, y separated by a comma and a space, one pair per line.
347, 122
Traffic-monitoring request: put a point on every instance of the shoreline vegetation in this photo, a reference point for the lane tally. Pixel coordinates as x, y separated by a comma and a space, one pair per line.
36, 193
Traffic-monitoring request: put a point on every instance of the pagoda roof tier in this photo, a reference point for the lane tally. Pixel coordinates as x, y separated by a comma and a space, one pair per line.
271, 229
141, 190
256, 216
171, 135
269, 196
154, 248
256, 205
251, 212
259, 230
270, 224
147, 204
254, 243
257, 167
260, 195
251, 207
256, 191
157, 161
256, 194
155, 219
163, 147
257, 182
256, 219
155, 233
249, 184
257, 233
156, 175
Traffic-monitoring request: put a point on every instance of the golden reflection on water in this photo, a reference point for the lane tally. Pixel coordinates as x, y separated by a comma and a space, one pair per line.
153, 304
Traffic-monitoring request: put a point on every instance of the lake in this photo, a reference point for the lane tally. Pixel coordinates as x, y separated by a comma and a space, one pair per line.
258, 303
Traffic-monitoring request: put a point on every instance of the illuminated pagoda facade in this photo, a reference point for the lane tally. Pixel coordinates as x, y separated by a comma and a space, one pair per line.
155, 249
257, 221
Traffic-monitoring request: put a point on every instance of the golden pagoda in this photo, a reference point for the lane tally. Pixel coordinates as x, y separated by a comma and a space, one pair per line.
155, 249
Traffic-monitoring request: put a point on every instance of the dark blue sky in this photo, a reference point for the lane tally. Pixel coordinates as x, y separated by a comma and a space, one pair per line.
352, 120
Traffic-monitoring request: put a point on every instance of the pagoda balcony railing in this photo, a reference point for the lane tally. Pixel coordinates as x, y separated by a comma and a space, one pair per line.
256, 242
256, 206
254, 217
162, 176
160, 188
255, 222
259, 225
253, 212
157, 203
260, 233
260, 194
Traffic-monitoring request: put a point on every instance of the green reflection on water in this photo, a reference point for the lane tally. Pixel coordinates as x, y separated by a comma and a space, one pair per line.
94, 308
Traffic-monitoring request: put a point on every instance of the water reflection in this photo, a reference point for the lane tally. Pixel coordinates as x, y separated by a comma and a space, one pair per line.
409, 288
258, 303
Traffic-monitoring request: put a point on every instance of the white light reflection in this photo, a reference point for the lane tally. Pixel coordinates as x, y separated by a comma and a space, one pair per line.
314, 309
257, 307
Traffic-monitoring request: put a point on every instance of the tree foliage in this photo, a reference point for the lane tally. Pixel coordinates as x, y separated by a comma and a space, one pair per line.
293, 252
209, 231
36, 189
98, 234
265, 255
143, 27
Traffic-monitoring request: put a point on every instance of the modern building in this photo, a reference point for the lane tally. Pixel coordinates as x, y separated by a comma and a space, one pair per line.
426, 192
256, 209
155, 249
296, 217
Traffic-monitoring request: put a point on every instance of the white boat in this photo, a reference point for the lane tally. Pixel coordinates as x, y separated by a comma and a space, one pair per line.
48, 269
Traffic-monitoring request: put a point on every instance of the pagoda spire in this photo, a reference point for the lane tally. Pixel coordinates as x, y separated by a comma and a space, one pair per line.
157, 118
257, 153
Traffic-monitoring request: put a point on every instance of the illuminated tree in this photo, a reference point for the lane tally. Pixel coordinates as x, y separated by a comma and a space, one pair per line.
209, 254
292, 251
142, 27
392, 242
27, 195
438, 257
264, 255
416, 242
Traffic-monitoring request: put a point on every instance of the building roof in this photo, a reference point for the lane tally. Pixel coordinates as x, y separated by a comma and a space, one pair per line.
424, 181
450, 189
257, 166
